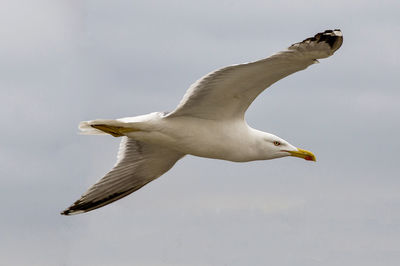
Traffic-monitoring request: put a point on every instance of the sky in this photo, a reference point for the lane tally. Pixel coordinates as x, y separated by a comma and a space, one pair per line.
67, 61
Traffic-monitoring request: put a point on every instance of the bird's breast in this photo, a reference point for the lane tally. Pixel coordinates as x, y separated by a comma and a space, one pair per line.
228, 140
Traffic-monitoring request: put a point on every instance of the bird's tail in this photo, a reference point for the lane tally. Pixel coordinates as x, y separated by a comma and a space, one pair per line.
106, 126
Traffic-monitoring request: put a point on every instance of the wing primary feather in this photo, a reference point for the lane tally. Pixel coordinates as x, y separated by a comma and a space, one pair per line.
225, 94
138, 164
80, 206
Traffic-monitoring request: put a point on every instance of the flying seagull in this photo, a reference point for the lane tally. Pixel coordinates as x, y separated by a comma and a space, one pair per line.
208, 122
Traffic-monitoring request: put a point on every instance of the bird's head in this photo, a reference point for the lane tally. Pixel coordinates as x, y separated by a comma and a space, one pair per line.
275, 147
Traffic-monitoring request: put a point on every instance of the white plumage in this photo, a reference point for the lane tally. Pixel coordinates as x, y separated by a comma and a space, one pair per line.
208, 122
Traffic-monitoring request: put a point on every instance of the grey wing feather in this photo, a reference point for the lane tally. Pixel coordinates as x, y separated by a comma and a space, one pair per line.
228, 92
138, 163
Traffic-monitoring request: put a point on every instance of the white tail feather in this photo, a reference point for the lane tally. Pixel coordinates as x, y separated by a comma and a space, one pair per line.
136, 123
86, 128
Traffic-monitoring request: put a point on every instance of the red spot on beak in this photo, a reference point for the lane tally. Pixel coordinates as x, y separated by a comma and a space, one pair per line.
308, 158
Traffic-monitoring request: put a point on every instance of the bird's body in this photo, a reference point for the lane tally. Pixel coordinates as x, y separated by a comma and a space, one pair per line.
209, 122
232, 140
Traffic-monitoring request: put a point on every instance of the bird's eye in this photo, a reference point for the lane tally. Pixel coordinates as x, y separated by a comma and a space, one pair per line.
277, 143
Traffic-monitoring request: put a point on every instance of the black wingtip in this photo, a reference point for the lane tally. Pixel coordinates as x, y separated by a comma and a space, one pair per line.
73, 209
69, 212
80, 206
66, 212
332, 37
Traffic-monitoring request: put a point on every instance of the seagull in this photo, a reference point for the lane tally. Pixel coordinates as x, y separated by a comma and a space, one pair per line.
208, 122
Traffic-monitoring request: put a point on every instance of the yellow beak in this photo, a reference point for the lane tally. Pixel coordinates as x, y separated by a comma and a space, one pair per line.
306, 155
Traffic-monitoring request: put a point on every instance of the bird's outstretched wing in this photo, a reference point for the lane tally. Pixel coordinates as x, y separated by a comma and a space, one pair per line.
228, 92
138, 164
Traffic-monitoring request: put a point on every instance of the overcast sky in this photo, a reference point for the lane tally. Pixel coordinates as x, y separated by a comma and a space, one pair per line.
62, 62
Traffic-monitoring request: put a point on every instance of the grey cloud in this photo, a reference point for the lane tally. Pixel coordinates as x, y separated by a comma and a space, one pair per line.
62, 62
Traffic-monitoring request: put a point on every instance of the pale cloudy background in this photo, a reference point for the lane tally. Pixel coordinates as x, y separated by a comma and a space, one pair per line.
66, 61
